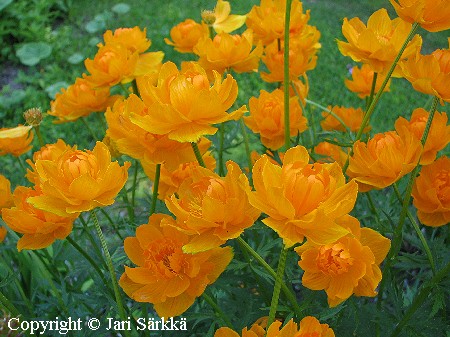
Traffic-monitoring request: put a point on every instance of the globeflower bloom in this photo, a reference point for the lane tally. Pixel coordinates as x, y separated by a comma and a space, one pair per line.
15, 141
212, 209
134, 39
384, 159
438, 136
309, 326
267, 118
78, 181
431, 15
378, 43
184, 106
80, 100
361, 82
267, 20
330, 153
225, 52
6, 199
351, 117
301, 199
348, 266
429, 74
165, 275
186, 34
39, 228
431, 193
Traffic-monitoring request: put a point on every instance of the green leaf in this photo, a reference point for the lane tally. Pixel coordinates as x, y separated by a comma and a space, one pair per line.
121, 8
4, 3
75, 58
8, 101
32, 53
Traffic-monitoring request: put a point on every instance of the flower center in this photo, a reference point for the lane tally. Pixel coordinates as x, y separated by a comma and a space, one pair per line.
334, 259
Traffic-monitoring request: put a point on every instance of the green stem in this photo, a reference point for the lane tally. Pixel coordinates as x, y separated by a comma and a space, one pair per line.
155, 188
112, 273
380, 91
277, 287
8, 306
198, 155
421, 297
22, 165
247, 145
372, 90
135, 88
133, 190
308, 117
418, 232
220, 155
287, 128
86, 124
37, 130
287, 292
217, 309
332, 114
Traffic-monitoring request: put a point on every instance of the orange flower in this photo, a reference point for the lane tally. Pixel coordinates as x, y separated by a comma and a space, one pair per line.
378, 43
429, 74
361, 82
183, 105
134, 39
79, 100
431, 193
111, 65
226, 52
351, 117
302, 56
267, 118
309, 327
348, 266
165, 275
221, 20
186, 34
211, 208
300, 89
170, 180
330, 153
267, 20
6, 199
78, 181
438, 136
300, 199
3, 233
15, 141
384, 159
432, 15
149, 148
39, 228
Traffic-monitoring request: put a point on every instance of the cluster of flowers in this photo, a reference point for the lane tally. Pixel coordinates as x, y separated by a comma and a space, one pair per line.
163, 123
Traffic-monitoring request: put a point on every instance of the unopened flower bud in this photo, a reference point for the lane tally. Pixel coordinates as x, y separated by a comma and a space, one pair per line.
33, 116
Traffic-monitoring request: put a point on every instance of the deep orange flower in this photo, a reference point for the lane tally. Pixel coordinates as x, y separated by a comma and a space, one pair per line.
221, 20
429, 74
432, 15
39, 228
212, 209
6, 199
431, 193
15, 141
225, 52
378, 43
171, 179
302, 56
348, 266
309, 327
80, 100
361, 82
351, 117
330, 153
134, 39
267, 117
300, 199
78, 181
3, 232
438, 136
183, 105
165, 275
267, 20
186, 34
384, 159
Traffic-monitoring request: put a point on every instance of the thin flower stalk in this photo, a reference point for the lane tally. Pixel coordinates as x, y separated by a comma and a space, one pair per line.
217, 310
277, 287
198, 154
247, 146
372, 90
155, 188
